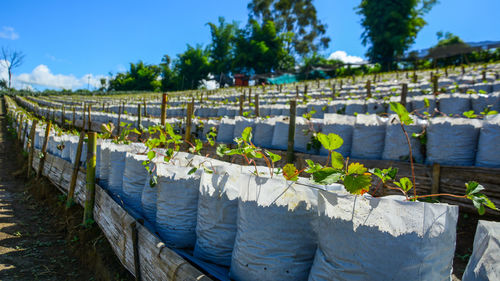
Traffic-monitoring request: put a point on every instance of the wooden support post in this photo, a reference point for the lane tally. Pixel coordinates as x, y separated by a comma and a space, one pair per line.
63, 117
120, 109
74, 117
446, 71
436, 178
24, 132
88, 212
305, 90
139, 121
44, 150
135, 246
341, 86
83, 116
189, 121
318, 84
32, 146
257, 110
297, 92
435, 84
291, 132
76, 167
484, 75
404, 93
463, 69
242, 97
249, 95
333, 91
415, 77
89, 108
145, 108
368, 89
20, 127
163, 116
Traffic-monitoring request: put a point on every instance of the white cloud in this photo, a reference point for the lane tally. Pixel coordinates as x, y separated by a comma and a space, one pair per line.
8, 32
42, 76
343, 56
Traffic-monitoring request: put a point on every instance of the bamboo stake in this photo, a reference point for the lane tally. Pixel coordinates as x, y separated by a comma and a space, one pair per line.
291, 132
32, 146
404, 93
163, 116
76, 167
44, 150
88, 212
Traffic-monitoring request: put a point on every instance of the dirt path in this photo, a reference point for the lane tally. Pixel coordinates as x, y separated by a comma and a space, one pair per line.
31, 248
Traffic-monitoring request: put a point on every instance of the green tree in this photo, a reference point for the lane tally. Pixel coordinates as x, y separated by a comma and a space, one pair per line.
191, 67
140, 77
169, 79
258, 49
391, 27
295, 18
222, 46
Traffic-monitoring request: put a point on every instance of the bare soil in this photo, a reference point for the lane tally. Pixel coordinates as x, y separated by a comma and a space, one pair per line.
39, 238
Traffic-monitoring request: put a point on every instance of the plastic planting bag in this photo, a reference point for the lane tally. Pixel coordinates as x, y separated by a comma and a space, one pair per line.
134, 178
342, 125
117, 165
264, 129
355, 106
240, 124
480, 102
280, 134
177, 205
396, 144
419, 105
65, 153
488, 154
375, 106
454, 103
217, 209
303, 134
366, 238
452, 141
104, 164
226, 131
275, 238
484, 263
368, 137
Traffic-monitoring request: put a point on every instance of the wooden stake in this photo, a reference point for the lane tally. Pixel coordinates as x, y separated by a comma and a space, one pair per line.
368, 89
63, 117
76, 167
163, 116
257, 110
333, 91
118, 127
139, 123
44, 150
436, 177
32, 146
88, 212
189, 115
435, 85
404, 93
89, 117
241, 104
291, 132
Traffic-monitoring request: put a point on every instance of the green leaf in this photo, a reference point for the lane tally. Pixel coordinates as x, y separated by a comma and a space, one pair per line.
403, 115
151, 155
357, 184
247, 134
221, 150
469, 114
290, 172
153, 181
404, 183
356, 168
330, 142
192, 171
274, 157
426, 102
337, 160
473, 187
313, 167
326, 175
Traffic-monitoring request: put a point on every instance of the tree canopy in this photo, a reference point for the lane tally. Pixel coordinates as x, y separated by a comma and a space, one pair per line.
221, 47
391, 27
192, 67
140, 77
296, 19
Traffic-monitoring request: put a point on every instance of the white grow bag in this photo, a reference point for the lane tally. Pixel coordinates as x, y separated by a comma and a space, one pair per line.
366, 238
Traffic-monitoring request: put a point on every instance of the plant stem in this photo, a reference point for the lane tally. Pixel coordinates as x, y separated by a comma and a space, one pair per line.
439, 194
411, 159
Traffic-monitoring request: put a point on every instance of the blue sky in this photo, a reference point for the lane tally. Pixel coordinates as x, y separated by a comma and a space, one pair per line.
65, 41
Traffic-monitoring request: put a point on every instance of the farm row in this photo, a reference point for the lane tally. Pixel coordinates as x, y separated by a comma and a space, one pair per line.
267, 227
